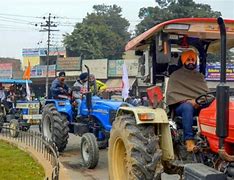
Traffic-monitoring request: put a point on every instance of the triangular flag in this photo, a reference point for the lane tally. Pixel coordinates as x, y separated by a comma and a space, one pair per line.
27, 72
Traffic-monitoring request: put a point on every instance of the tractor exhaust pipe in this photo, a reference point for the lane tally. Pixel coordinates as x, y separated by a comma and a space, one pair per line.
222, 92
88, 94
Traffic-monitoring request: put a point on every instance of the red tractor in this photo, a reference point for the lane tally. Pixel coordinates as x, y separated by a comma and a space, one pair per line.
144, 141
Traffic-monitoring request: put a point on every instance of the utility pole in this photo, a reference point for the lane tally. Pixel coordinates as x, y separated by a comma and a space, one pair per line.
47, 28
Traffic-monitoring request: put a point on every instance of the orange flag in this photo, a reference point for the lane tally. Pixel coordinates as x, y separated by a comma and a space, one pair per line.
27, 72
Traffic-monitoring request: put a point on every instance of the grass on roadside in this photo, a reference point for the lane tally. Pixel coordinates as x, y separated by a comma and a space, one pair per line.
17, 164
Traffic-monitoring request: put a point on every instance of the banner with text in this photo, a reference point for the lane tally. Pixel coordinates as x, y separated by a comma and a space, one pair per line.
69, 63
98, 67
40, 71
213, 72
115, 67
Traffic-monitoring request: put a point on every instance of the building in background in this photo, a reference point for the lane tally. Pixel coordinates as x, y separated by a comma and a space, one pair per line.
38, 56
10, 68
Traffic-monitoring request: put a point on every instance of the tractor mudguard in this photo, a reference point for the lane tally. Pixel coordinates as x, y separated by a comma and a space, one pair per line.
62, 106
159, 116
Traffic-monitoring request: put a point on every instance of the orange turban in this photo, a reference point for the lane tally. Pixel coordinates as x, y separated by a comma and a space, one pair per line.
188, 54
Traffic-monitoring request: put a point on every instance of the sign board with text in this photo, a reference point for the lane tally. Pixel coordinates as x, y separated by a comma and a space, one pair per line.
69, 63
213, 72
115, 67
40, 71
98, 67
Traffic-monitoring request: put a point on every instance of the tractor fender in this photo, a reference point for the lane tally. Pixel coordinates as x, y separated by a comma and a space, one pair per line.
160, 117
159, 114
62, 106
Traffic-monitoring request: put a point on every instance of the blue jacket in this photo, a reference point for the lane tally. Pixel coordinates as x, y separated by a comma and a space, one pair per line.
56, 88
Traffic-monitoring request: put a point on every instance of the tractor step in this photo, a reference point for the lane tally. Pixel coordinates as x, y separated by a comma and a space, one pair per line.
198, 171
165, 176
80, 128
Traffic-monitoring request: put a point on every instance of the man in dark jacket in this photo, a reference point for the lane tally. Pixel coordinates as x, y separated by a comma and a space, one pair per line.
58, 86
184, 86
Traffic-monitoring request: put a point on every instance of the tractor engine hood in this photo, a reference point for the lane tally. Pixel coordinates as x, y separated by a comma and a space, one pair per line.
110, 103
207, 123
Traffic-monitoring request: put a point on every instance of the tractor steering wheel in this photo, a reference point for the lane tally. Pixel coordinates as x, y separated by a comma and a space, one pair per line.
205, 99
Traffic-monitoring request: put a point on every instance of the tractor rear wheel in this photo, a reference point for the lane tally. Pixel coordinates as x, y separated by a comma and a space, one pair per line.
54, 126
134, 151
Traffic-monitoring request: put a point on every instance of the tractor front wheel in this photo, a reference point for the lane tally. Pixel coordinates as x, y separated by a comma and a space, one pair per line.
89, 150
54, 126
134, 151
14, 128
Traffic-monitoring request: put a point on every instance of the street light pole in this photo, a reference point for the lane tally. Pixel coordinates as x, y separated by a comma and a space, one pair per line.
48, 57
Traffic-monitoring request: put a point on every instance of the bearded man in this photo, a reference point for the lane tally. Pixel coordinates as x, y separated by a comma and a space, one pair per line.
184, 86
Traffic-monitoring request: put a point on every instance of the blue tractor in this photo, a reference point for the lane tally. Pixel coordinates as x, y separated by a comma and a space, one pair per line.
94, 125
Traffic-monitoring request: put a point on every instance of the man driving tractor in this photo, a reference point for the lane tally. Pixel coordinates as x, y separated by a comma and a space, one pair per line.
58, 86
184, 86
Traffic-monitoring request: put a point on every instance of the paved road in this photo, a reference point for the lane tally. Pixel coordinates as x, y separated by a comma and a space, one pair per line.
71, 159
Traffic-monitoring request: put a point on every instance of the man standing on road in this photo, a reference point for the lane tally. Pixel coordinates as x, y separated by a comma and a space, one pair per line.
58, 86
184, 86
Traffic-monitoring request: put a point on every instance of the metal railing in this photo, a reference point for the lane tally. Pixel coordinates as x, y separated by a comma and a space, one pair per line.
39, 143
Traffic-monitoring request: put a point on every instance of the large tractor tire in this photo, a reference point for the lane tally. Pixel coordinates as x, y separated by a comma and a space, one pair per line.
89, 150
54, 126
134, 151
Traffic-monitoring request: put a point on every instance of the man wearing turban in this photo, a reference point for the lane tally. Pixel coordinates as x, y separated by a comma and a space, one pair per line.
184, 86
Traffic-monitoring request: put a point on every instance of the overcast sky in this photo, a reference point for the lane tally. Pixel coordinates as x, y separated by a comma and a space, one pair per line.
18, 19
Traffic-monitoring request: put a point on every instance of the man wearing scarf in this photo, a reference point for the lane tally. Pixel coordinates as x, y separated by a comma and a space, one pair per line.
184, 86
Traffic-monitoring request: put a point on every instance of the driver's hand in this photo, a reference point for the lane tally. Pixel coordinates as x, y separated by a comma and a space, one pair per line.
193, 102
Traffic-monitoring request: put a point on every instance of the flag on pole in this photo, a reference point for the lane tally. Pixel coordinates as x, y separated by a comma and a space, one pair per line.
125, 83
26, 76
27, 72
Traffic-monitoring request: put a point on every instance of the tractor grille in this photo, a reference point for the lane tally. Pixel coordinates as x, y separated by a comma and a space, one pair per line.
112, 114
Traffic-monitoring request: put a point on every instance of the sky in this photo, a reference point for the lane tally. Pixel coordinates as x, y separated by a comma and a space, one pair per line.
18, 19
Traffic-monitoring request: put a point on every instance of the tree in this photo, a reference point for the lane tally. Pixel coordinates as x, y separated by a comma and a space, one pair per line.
102, 34
172, 9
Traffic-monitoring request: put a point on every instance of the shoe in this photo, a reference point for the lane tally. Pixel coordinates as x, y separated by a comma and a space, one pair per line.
190, 145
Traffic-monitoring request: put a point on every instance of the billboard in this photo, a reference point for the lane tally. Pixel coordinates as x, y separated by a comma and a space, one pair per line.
5, 70
115, 67
54, 51
69, 63
213, 72
98, 67
40, 71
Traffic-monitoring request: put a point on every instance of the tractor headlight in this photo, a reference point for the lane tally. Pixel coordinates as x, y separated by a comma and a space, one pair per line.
146, 116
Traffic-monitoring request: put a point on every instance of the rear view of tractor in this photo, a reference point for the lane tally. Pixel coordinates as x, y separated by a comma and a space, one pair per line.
145, 142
